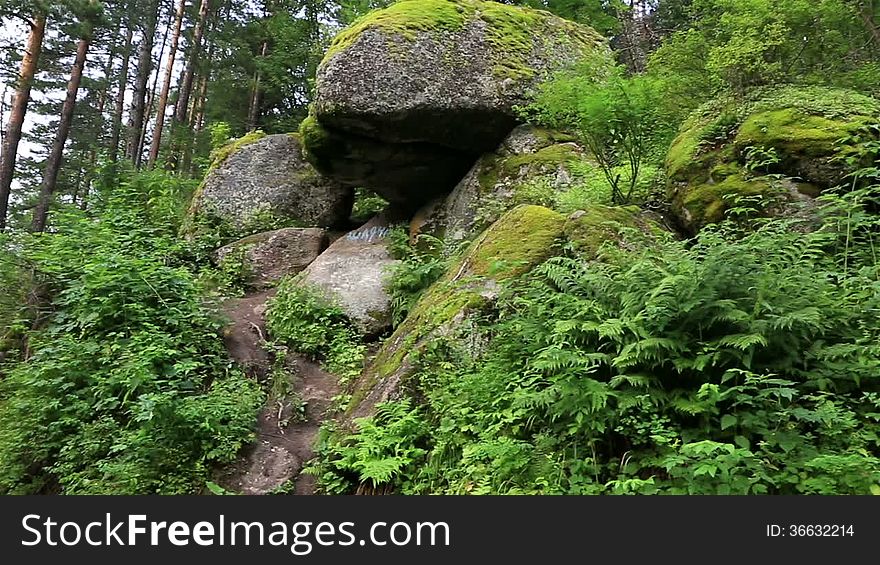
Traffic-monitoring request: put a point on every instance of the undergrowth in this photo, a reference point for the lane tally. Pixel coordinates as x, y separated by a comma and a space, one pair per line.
740, 362
126, 387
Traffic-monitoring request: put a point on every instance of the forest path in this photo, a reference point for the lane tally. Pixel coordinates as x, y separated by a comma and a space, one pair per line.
289, 422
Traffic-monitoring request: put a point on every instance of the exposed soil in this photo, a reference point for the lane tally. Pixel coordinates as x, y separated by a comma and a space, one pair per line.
288, 426
246, 333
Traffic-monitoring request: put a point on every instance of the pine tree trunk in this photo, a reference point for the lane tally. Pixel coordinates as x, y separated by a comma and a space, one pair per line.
53, 164
166, 87
153, 93
188, 75
138, 104
120, 96
186, 86
866, 11
17, 112
254, 109
102, 103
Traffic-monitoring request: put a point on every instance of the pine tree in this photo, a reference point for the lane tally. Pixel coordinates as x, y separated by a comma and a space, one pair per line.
18, 111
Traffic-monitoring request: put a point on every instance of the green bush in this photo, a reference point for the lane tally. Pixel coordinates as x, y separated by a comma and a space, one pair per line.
421, 264
732, 364
128, 388
303, 319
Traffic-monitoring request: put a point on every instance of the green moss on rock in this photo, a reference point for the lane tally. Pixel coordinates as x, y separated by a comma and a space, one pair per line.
794, 132
510, 30
588, 230
523, 238
802, 126
519, 240
219, 155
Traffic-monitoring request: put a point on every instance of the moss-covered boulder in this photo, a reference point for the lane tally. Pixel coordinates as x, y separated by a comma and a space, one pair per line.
519, 240
531, 166
264, 181
588, 230
779, 146
433, 73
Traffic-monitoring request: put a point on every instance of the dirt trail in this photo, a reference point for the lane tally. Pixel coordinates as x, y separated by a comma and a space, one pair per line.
287, 427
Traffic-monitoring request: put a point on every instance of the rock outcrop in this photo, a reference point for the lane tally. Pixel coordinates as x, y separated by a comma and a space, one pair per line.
270, 256
352, 273
521, 239
778, 146
409, 96
531, 166
265, 182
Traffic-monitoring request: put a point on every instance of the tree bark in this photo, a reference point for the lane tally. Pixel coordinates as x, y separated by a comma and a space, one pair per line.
17, 112
166, 87
188, 75
186, 86
866, 11
254, 109
138, 104
102, 103
53, 164
120, 96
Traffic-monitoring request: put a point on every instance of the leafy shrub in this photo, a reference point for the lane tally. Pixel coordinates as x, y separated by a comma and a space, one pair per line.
366, 205
128, 388
621, 120
421, 264
735, 364
303, 319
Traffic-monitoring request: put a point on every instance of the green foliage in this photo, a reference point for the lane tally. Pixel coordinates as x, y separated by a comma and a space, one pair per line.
737, 364
382, 449
303, 319
421, 264
622, 121
127, 388
734, 45
366, 205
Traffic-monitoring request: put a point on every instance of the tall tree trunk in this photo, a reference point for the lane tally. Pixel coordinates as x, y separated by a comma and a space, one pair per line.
188, 75
866, 11
197, 107
186, 86
53, 164
120, 95
199, 121
254, 109
145, 62
166, 86
17, 112
153, 93
102, 103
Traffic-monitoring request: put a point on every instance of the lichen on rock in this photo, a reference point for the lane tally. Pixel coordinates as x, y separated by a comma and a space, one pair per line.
531, 166
352, 272
268, 257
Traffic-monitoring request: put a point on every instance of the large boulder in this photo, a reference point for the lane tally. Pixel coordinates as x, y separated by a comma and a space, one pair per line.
437, 77
519, 240
531, 166
261, 182
779, 147
266, 258
352, 273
